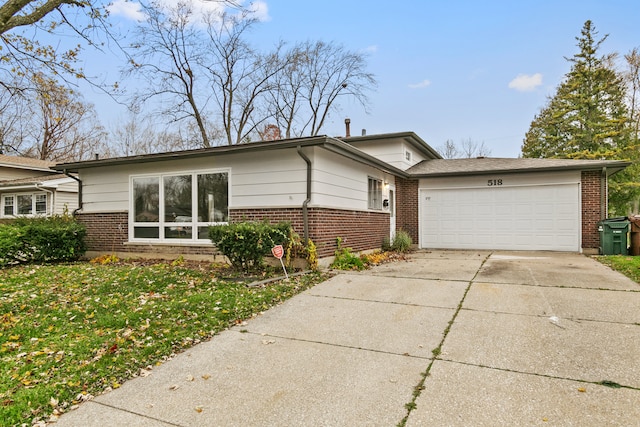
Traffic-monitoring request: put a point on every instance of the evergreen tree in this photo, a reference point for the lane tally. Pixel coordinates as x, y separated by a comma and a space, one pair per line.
588, 116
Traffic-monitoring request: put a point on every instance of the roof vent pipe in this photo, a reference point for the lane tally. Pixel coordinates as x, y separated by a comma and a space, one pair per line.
347, 124
364, 132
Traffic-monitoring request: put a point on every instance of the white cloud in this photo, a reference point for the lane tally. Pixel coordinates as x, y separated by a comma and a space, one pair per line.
128, 9
371, 49
133, 10
420, 85
260, 10
525, 82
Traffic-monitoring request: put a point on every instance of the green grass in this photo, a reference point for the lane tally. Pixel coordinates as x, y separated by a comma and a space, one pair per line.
75, 330
627, 265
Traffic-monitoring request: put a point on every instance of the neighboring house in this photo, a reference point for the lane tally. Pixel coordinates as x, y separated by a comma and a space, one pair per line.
361, 189
29, 187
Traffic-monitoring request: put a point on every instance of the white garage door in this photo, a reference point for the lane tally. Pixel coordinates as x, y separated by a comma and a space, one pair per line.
530, 217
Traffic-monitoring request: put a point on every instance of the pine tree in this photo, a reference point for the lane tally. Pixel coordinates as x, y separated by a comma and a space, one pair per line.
587, 117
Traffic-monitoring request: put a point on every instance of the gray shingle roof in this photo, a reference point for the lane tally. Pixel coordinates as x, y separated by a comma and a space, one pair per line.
444, 167
25, 162
31, 180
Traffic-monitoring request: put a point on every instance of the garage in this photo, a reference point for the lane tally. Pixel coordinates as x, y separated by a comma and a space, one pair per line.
528, 211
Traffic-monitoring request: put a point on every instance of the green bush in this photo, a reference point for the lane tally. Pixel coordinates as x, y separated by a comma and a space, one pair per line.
345, 259
246, 244
53, 239
401, 241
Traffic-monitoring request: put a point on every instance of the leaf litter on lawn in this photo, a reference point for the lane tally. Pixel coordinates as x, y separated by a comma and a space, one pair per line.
71, 331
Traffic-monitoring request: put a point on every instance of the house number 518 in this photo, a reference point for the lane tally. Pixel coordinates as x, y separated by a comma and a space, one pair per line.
493, 182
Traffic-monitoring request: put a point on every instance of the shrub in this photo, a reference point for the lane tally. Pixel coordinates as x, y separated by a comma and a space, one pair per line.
53, 239
296, 248
246, 244
401, 242
345, 259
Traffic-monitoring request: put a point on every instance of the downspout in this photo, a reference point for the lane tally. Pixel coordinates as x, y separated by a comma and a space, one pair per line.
53, 198
603, 195
305, 204
75, 211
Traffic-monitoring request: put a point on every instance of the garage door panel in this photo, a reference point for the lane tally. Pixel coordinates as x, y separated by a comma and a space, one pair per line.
536, 217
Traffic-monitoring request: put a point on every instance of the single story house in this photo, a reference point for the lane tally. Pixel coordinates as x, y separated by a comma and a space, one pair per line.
29, 187
361, 189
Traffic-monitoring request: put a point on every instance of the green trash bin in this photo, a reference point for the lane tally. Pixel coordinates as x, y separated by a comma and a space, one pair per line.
613, 236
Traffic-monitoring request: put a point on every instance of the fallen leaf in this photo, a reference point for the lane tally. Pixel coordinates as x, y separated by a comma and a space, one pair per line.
267, 342
198, 409
190, 378
174, 387
206, 376
582, 390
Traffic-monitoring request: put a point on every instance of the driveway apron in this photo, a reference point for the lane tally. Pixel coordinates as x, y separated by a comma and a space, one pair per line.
443, 338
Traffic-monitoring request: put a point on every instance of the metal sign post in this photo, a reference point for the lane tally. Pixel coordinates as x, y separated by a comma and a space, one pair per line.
278, 252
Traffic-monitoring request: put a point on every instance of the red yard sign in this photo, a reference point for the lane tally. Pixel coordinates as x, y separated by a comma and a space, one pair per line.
277, 251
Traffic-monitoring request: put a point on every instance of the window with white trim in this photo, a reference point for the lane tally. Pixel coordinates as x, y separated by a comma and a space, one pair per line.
175, 207
375, 194
24, 204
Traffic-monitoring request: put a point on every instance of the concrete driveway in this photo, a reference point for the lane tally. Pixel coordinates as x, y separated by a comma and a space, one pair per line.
445, 338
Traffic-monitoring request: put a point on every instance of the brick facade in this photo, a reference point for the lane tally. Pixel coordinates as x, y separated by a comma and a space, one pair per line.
359, 230
108, 232
407, 207
591, 209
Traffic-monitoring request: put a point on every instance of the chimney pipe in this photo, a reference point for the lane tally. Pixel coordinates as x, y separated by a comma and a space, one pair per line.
364, 132
347, 124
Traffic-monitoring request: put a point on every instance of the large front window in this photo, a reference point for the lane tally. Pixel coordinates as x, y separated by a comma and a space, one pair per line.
24, 204
179, 207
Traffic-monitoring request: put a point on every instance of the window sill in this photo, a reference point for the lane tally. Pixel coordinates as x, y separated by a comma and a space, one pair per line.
167, 243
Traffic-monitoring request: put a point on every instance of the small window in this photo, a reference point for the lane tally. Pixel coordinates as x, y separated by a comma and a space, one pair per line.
407, 156
8, 205
375, 194
41, 204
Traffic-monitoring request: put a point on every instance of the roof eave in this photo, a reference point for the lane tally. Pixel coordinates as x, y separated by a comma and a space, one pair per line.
410, 137
611, 168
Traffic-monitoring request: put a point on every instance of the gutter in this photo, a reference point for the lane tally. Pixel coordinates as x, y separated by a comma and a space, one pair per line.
305, 204
75, 178
603, 193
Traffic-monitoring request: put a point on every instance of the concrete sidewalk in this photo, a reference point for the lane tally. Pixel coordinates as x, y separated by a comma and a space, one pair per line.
520, 338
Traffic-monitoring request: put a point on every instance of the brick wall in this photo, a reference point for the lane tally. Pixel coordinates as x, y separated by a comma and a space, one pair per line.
407, 207
591, 209
360, 230
108, 232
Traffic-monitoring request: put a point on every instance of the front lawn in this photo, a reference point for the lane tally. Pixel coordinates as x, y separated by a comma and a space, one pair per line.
75, 330
627, 265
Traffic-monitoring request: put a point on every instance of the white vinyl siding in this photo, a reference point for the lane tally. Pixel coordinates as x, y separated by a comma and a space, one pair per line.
275, 179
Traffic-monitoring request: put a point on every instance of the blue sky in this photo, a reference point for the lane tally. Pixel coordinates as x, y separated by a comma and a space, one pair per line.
448, 69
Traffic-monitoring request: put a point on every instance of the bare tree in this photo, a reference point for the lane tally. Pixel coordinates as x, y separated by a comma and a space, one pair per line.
466, 149
166, 57
63, 127
632, 80
470, 149
307, 91
449, 150
240, 76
